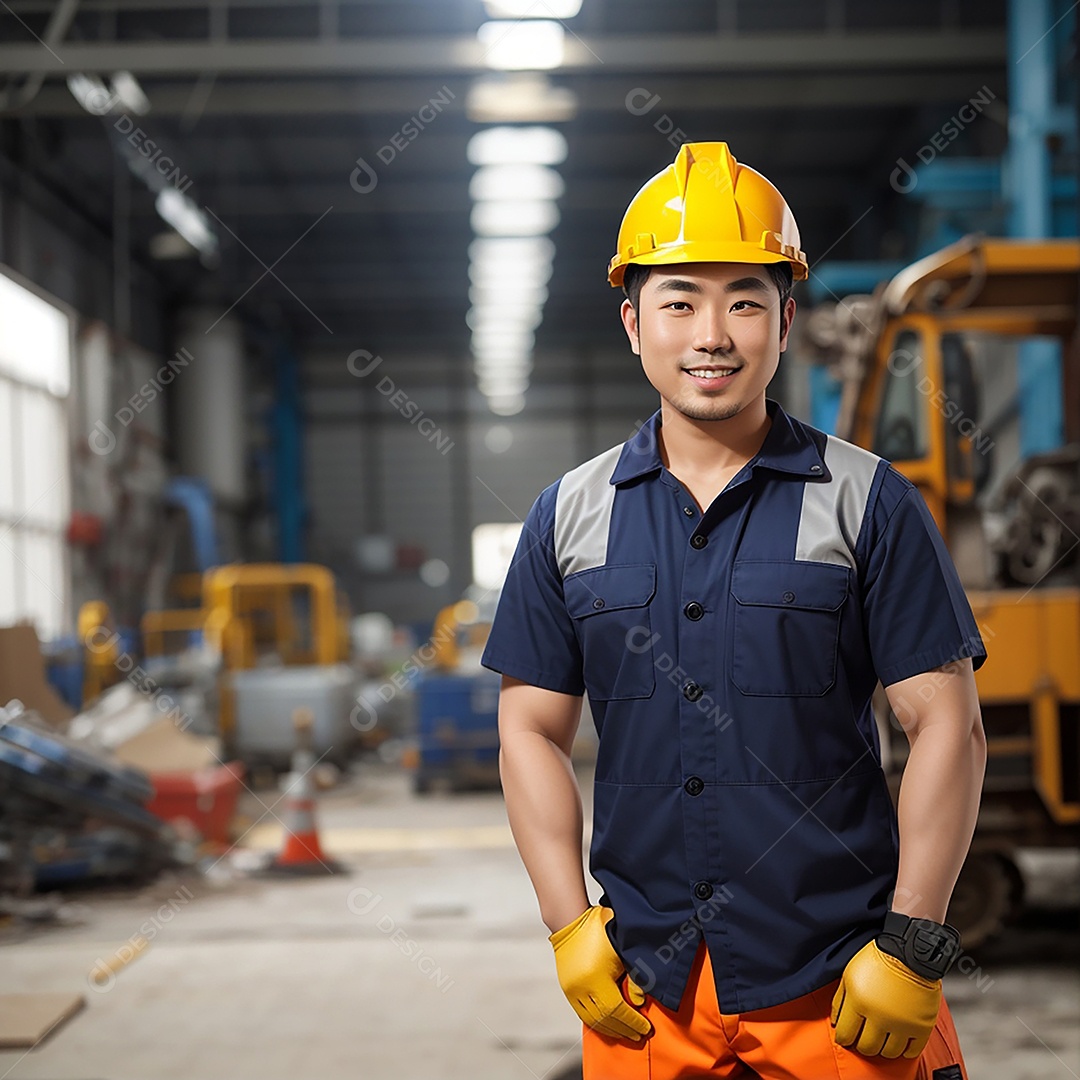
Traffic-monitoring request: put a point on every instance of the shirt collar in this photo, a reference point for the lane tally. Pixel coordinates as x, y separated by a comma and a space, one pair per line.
788, 447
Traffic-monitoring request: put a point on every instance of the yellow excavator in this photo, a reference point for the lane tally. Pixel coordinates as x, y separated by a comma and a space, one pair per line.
930, 368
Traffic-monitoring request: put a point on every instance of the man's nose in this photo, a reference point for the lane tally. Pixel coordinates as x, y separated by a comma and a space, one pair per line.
711, 332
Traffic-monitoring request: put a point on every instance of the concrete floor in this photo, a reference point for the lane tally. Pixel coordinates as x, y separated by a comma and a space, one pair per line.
428, 960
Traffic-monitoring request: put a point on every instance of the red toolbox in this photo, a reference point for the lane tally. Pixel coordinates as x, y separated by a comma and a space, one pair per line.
205, 797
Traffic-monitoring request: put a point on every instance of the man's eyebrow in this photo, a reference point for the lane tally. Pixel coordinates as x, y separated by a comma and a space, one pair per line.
746, 284
679, 285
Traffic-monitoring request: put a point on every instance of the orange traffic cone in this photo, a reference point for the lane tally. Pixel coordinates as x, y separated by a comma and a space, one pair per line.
302, 853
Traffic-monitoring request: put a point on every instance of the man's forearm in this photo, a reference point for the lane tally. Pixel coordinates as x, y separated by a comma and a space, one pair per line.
938, 806
543, 805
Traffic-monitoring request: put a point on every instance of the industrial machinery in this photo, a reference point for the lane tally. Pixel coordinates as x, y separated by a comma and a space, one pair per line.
457, 705
930, 368
67, 813
280, 635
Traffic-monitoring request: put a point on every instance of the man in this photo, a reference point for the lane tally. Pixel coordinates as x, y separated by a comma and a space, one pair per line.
729, 586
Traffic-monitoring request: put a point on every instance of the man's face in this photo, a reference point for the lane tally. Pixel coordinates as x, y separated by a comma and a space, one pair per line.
709, 335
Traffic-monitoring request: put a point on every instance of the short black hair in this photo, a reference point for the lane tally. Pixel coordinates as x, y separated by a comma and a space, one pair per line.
635, 275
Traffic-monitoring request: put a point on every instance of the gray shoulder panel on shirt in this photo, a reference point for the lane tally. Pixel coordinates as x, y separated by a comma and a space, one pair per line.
832, 513
583, 513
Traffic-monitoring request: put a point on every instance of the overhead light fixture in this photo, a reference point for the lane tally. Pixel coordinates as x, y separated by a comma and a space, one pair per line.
187, 219
515, 182
508, 365
506, 336
532, 145
524, 97
532, 9
506, 404
91, 93
533, 218
522, 44
497, 318
129, 93
508, 292
517, 251
124, 94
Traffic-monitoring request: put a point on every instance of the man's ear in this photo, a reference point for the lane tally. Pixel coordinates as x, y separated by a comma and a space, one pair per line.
787, 317
630, 325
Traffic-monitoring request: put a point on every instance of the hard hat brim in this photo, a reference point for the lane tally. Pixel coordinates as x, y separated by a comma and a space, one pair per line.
699, 251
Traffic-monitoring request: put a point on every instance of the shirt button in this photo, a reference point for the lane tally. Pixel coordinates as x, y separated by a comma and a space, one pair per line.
688, 511
703, 890
691, 691
815, 468
788, 597
693, 610
694, 786
698, 540
598, 603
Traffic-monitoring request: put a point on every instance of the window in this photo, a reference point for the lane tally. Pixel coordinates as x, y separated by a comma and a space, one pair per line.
35, 365
901, 429
492, 549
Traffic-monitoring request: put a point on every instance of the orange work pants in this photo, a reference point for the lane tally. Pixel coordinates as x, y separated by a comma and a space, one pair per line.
792, 1041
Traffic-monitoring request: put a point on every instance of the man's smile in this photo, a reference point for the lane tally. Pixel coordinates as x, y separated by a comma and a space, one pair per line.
713, 375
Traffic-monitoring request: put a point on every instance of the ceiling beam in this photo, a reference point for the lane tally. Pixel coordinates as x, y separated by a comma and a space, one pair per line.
463, 54
596, 94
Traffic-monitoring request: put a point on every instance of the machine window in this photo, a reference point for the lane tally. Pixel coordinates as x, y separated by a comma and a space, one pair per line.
901, 429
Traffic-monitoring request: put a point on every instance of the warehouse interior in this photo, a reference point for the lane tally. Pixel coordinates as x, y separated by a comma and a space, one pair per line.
302, 304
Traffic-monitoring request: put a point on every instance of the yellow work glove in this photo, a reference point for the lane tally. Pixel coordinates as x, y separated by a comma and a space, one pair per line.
882, 1007
589, 969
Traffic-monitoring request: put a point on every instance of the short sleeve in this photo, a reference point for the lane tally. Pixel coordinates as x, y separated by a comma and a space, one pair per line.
532, 636
916, 614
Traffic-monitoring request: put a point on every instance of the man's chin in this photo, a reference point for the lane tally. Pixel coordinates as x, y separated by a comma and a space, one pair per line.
696, 409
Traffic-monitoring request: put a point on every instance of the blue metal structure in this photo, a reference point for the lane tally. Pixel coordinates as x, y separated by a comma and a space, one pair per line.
192, 494
1021, 195
288, 474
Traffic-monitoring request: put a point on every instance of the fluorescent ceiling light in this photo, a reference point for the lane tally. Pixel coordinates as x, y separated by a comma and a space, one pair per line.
526, 97
129, 93
500, 386
532, 9
506, 404
496, 318
187, 219
522, 44
124, 95
530, 249
491, 182
502, 337
510, 281
507, 365
506, 276
488, 343
532, 218
91, 93
510, 292
533, 145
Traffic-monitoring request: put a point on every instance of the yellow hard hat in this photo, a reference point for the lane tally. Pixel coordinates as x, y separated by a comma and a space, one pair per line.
706, 207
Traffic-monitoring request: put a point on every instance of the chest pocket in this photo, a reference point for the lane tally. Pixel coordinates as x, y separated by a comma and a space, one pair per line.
610, 609
786, 626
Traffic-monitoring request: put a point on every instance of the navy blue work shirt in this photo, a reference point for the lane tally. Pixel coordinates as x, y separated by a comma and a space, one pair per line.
729, 658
